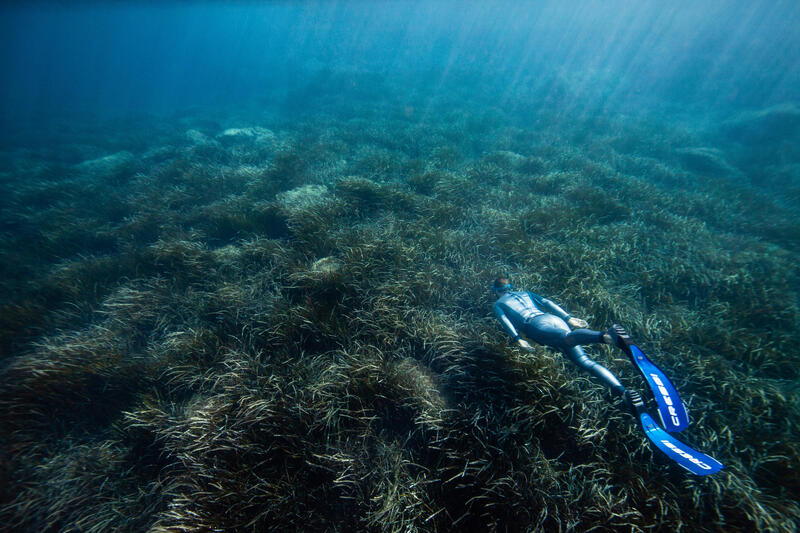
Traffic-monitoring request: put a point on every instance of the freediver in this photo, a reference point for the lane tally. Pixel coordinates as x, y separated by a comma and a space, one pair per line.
545, 323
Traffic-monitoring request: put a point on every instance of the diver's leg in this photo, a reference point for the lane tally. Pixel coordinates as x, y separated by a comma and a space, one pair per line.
550, 330
579, 357
584, 336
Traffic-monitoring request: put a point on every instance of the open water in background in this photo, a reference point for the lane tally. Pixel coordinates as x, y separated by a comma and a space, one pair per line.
113, 58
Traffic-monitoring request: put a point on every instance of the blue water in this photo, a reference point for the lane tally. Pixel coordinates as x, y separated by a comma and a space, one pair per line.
118, 57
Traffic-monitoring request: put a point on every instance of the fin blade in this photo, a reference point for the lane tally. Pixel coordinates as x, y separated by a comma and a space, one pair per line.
692, 460
670, 407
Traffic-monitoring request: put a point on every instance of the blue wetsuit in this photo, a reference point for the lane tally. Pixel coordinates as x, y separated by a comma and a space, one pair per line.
544, 322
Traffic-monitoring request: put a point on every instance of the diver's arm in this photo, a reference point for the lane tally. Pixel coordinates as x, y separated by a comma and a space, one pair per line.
549, 306
507, 324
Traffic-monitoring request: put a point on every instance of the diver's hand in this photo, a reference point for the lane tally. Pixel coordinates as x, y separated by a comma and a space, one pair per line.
577, 323
525, 345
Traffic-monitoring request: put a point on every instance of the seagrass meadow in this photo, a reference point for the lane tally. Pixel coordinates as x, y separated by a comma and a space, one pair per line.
240, 320
246, 251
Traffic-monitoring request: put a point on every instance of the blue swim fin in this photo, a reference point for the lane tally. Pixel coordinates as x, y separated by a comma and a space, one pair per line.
695, 462
671, 410
689, 458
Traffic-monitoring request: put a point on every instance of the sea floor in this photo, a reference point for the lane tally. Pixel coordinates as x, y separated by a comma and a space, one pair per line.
235, 320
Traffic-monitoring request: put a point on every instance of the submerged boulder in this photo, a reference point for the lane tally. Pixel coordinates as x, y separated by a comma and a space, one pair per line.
305, 197
197, 137
256, 135
327, 266
323, 277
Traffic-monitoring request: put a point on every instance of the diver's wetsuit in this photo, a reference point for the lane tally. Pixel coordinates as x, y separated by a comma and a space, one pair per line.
544, 322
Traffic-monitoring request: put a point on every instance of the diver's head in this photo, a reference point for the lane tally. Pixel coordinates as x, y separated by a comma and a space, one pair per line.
501, 286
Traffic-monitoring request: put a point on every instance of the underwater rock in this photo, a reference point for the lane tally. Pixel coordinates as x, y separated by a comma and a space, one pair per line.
772, 125
197, 137
327, 266
304, 197
110, 165
256, 135
706, 161
323, 276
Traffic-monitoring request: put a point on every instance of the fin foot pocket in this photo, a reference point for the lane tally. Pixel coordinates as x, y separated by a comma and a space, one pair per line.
619, 337
634, 402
